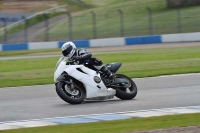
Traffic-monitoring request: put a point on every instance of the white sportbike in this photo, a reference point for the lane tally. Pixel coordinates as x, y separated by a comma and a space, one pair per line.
76, 83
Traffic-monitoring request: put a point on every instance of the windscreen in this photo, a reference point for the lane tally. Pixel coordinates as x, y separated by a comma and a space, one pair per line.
59, 61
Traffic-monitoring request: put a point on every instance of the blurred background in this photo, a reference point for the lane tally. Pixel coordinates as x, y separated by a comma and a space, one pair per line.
24, 21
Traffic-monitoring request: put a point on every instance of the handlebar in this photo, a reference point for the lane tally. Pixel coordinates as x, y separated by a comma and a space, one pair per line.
71, 62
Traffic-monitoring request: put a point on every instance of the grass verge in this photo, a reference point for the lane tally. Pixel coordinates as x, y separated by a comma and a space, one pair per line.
118, 126
137, 63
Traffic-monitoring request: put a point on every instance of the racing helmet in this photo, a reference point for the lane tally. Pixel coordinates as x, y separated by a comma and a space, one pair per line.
68, 49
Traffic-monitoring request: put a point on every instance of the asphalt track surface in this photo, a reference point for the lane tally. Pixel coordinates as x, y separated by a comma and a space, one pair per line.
35, 102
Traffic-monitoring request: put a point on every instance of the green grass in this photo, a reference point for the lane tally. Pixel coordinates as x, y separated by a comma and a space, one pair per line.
119, 126
136, 63
75, 5
136, 20
98, 3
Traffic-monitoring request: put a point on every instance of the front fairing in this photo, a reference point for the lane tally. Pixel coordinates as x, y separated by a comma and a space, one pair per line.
71, 69
60, 66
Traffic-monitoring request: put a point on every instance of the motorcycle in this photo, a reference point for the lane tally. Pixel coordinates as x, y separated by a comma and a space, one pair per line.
76, 83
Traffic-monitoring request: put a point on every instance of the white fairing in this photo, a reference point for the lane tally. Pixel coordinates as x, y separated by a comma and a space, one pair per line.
93, 89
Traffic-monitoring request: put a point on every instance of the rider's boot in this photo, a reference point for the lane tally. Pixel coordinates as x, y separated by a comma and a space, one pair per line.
108, 73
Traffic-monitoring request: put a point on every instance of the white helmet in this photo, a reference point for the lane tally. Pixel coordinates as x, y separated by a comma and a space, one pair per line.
68, 49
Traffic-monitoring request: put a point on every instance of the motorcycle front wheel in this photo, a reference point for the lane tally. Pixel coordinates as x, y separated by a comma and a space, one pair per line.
126, 93
72, 94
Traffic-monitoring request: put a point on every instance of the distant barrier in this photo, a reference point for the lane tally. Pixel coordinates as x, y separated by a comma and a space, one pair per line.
184, 37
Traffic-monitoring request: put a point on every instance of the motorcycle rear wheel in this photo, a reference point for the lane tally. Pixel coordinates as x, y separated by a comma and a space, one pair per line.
126, 93
70, 97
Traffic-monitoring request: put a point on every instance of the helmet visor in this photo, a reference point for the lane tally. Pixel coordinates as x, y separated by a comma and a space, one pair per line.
67, 51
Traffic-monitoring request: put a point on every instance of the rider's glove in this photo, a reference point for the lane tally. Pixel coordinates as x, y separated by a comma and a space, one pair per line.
76, 58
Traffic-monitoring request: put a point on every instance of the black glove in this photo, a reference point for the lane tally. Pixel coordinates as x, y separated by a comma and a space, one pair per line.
76, 58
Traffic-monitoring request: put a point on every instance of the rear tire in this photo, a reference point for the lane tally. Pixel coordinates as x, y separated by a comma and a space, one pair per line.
122, 93
67, 97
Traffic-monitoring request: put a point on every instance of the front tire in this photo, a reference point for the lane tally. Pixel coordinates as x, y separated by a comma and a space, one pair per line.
76, 96
126, 93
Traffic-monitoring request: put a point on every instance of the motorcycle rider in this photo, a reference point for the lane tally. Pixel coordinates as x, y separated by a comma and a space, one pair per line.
83, 56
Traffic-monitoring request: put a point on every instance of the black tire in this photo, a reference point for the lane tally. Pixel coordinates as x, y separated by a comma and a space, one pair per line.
122, 92
67, 97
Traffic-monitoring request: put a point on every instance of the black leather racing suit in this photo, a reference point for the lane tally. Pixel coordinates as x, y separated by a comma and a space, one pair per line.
84, 56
